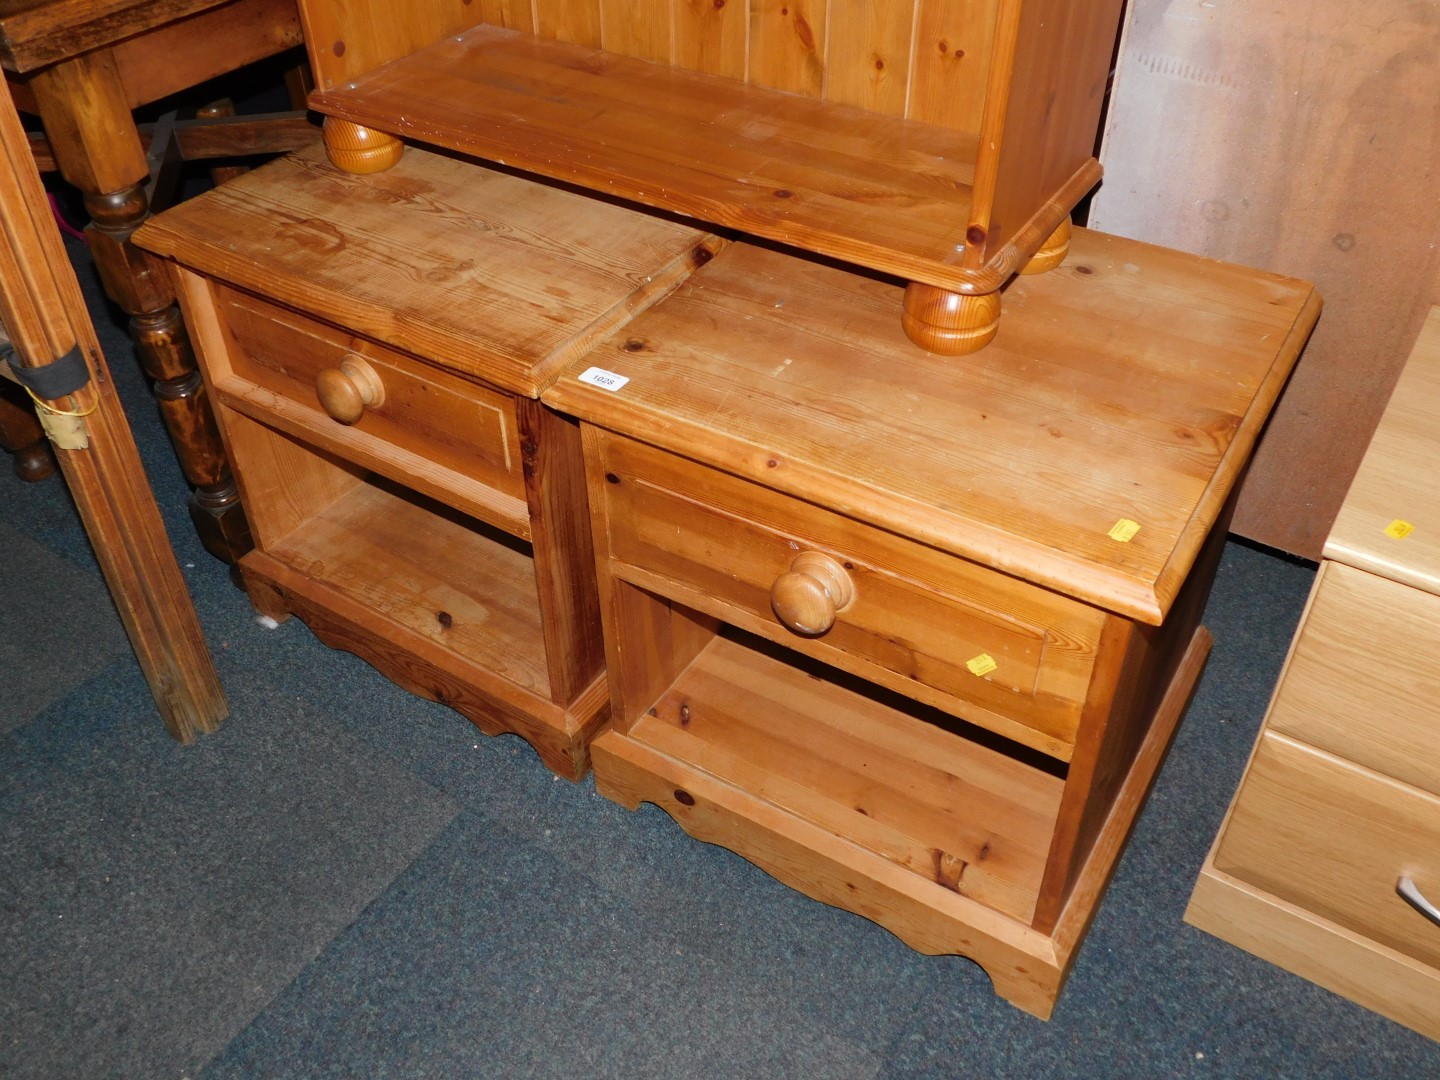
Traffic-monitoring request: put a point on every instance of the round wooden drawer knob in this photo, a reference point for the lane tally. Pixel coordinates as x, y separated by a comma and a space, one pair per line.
347, 390
807, 597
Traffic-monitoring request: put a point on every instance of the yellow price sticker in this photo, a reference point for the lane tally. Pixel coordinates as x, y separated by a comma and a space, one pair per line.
1124, 530
982, 665
1398, 530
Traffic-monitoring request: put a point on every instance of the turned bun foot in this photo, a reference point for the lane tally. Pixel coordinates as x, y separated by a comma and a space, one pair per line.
355, 149
1052, 252
951, 324
35, 463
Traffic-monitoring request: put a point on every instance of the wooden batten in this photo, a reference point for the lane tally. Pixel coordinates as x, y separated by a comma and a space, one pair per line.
45, 317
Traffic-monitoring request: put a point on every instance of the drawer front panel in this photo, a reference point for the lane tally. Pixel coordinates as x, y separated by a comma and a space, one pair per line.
1333, 839
990, 649
1363, 680
456, 425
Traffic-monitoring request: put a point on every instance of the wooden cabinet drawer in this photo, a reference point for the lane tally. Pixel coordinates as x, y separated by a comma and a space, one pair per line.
1363, 679
451, 424
992, 650
1334, 839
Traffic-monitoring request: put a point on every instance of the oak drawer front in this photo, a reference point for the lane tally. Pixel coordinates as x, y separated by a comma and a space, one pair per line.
454, 424
1334, 839
993, 650
1363, 679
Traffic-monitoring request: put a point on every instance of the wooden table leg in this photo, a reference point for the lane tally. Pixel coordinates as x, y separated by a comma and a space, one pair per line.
22, 436
44, 315
97, 148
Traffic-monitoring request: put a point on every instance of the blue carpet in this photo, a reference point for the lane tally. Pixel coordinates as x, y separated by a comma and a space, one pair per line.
57, 634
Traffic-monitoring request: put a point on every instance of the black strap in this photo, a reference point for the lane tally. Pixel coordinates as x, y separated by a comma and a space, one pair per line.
54, 380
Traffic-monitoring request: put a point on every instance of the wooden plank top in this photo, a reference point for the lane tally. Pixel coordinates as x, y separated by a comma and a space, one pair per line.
485, 273
1128, 385
1389, 522
35, 33
871, 189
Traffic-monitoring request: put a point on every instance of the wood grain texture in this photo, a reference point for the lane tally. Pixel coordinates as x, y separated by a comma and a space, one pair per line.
1054, 88
1129, 385
491, 275
45, 317
554, 472
917, 616
1143, 672
1297, 940
759, 820
872, 189
575, 21
864, 770
435, 601
954, 43
927, 916
175, 56
1396, 480
1323, 834
291, 407
1307, 148
787, 45
81, 101
1363, 677
34, 33
453, 424
638, 28
711, 37
346, 38
868, 61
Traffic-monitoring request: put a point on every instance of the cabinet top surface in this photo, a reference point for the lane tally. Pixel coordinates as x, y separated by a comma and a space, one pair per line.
1089, 448
1389, 522
483, 272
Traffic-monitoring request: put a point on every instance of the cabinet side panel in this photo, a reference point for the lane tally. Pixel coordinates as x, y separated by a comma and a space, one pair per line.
1061, 66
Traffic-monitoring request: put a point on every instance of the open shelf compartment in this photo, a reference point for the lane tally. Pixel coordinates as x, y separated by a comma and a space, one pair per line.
431, 575
951, 804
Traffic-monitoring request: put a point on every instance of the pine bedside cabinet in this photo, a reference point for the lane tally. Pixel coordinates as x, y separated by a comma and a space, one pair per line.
913, 633
376, 347
1328, 863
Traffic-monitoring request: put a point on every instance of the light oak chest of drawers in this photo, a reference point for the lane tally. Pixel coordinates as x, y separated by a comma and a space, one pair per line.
376, 347
1330, 854
913, 634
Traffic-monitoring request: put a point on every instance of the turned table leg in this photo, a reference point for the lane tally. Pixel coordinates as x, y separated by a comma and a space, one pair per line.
97, 148
23, 437
355, 149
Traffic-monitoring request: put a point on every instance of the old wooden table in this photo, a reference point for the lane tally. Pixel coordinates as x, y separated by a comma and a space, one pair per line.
83, 66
